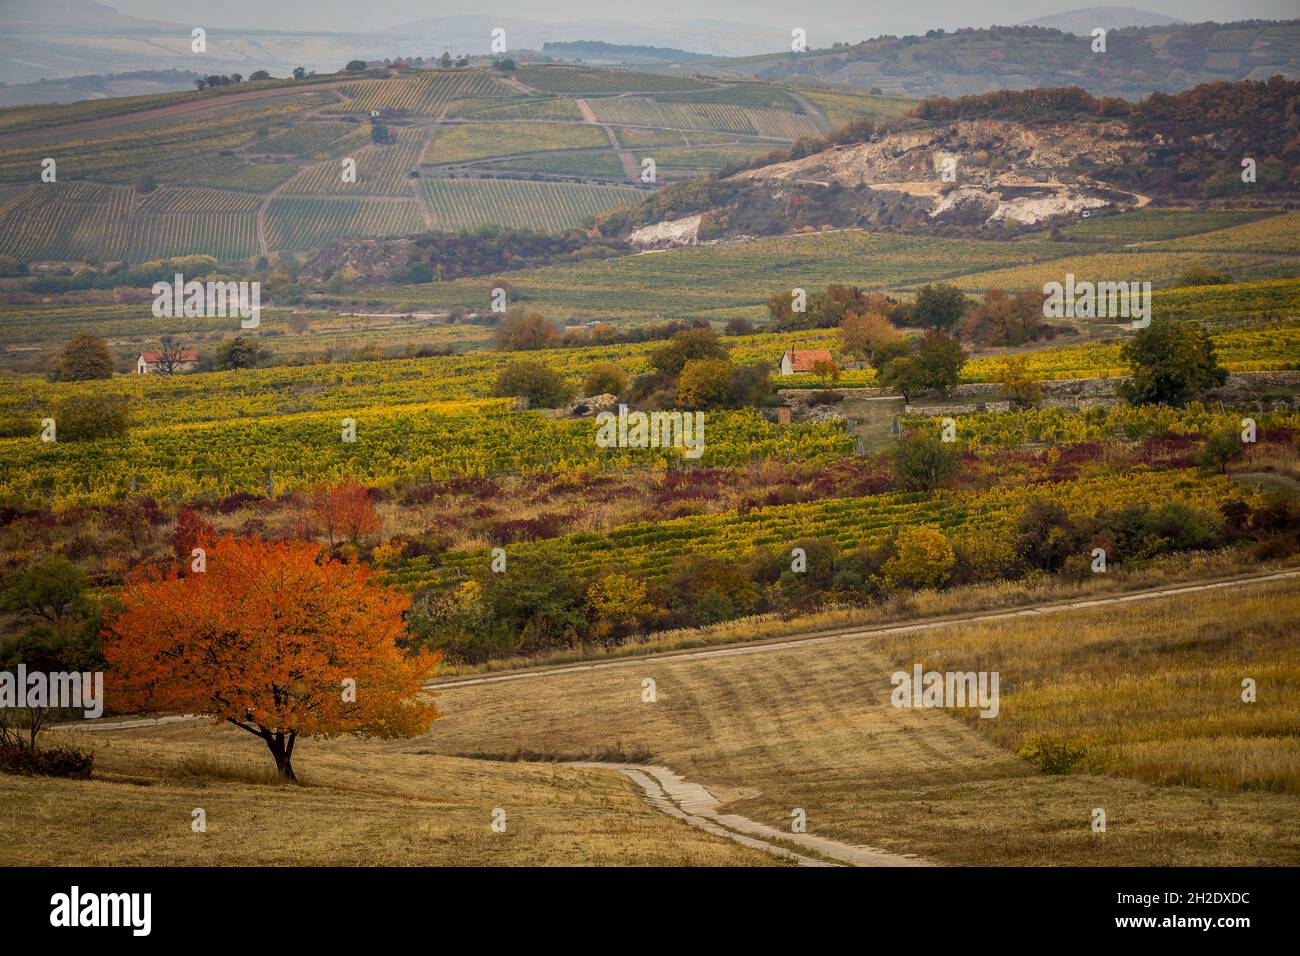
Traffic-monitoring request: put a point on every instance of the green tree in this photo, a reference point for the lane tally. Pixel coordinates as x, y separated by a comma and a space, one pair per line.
903, 374
701, 343
939, 306
705, 383
541, 385
751, 385
239, 352
87, 417
604, 378
48, 589
1221, 450
1170, 361
534, 605
922, 462
888, 349
355, 66
85, 357
941, 359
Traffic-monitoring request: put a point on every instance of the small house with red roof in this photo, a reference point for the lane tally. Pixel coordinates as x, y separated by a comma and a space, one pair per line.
797, 361
165, 362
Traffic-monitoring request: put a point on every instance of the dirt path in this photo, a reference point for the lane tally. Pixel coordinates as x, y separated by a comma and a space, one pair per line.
631, 169
812, 109
813, 640
263, 248
690, 802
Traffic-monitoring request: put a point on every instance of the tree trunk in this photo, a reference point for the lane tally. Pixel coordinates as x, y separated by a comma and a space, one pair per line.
279, 743
281, 747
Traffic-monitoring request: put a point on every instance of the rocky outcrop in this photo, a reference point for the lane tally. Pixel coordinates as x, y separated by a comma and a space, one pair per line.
588, 406
665, 235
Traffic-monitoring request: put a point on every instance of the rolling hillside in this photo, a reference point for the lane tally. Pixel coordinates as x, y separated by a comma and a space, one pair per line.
1137, 62
544, 148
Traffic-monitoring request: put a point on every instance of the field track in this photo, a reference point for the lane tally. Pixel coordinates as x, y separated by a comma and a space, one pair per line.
816, 638
696, 806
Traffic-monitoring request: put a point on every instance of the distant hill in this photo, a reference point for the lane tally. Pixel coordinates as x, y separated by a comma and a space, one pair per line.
72, 16
61, 39
77, 88
598, 51
471, 33
1138, 61
1083, 21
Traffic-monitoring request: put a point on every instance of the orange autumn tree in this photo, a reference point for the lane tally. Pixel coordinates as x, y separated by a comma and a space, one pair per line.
344, 510
274, 638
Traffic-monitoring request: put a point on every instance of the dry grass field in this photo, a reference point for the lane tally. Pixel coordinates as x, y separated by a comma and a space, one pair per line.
1186, 773
1154, 686
362, 805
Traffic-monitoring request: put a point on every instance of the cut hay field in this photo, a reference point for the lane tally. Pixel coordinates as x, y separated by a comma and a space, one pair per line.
1151, 689
362, 805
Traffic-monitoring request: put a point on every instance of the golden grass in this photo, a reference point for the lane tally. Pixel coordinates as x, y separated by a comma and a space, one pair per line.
363, 805
1187, 774
1156, 683
919, 605
1153, 690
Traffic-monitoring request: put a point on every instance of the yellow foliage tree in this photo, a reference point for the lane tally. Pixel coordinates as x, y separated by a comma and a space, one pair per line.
616, 599
923, 559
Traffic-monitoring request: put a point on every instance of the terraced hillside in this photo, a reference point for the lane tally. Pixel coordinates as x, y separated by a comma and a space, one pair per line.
264, 170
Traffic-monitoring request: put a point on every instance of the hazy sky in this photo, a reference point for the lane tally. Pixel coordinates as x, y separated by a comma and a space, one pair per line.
825, 20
